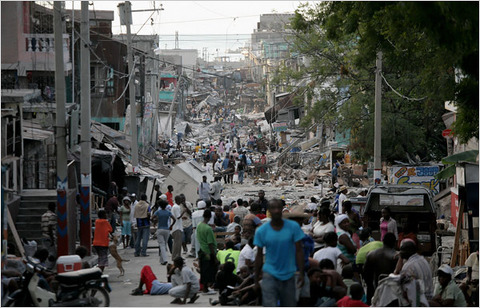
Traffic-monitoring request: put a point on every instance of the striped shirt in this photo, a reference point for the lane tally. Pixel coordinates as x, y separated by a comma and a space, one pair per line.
417, 267
49, 219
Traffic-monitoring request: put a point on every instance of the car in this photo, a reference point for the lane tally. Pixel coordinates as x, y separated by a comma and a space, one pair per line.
411, 206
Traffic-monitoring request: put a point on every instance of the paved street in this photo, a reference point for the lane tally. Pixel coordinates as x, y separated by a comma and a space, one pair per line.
123, 286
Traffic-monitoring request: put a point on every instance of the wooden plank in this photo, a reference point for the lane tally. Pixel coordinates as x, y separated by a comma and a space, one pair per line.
13, 229
456, 244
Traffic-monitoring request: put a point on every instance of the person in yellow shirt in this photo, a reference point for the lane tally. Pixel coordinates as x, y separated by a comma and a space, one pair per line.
229, 255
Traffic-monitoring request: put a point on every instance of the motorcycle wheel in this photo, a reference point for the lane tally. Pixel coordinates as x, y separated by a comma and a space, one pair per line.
98, 295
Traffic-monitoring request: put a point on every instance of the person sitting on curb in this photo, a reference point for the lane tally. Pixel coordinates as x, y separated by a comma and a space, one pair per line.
185, 283
152, 285
447, 293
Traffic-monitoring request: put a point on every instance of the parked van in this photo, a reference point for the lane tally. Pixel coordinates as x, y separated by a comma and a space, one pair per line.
411, 206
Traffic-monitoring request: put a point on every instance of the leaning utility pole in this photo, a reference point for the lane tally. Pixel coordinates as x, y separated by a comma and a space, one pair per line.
377, 151
60, 132
85, 146
126, 19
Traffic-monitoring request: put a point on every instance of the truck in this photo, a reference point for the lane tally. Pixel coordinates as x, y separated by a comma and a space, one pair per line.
411, 206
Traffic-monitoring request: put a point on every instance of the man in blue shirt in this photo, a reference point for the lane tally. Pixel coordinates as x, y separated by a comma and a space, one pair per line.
335, 173
225, 167
282, 239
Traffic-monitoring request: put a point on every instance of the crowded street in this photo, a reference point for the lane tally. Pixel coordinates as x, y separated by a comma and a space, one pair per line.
240, 153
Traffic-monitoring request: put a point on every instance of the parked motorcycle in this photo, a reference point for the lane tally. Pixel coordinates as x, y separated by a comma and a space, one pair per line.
82, 288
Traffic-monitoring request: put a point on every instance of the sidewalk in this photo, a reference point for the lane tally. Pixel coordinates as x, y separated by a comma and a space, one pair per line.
123, 286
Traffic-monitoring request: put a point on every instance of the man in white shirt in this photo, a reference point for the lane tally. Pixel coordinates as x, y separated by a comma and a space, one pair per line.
133, 197
247, 256
343, 196
177, 228
185, 283
204, 189
240, 211
228, 147
197, 218
217, 168
216, 189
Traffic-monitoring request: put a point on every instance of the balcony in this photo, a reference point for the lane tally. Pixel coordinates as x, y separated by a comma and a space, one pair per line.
38, 52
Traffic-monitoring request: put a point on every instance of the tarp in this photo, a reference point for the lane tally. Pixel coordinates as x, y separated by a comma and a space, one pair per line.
185, 178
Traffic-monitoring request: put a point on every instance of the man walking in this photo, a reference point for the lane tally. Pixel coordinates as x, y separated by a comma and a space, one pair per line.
335, 174
207, 252
142, 217
204, 189
216, 189
177, 228
282, 239
186, 222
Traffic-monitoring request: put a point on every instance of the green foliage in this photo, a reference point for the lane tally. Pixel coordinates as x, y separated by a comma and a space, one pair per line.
424, 44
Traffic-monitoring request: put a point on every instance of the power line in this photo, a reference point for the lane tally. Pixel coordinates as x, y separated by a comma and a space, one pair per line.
401, 95
197, 20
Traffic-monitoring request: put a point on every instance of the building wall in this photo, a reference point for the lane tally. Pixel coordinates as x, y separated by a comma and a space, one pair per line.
274, 21
189, 58
11, 13
112, 54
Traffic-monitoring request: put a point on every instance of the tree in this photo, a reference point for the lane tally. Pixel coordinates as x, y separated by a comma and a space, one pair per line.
424, 44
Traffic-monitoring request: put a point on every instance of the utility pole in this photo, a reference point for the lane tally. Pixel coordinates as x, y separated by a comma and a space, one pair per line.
126, 19
60, 133
125, 11
377, 151
85, 146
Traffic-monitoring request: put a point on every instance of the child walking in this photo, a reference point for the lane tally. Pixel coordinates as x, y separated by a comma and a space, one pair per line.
100, 238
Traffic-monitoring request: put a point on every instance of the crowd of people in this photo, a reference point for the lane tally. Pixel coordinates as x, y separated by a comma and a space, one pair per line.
266, 252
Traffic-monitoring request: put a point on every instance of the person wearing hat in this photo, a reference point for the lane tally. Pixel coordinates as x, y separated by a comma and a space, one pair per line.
125, 221
415, 266
447, 293
282, 239
197, 218
217, 167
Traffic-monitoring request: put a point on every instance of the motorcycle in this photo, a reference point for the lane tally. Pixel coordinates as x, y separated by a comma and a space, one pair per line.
82, 288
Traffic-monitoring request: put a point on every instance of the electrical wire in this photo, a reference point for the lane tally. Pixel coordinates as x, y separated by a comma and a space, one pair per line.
129, 78
401, 95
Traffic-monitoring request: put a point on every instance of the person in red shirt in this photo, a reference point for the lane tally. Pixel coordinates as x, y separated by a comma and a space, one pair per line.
100, 238
169, 195
355, 298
